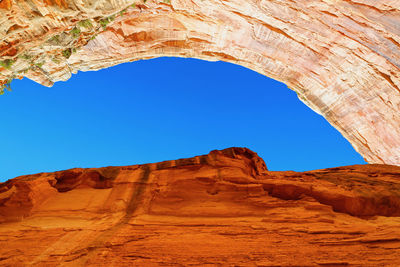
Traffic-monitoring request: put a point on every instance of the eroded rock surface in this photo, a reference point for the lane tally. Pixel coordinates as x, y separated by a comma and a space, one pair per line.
341, 57
220, 209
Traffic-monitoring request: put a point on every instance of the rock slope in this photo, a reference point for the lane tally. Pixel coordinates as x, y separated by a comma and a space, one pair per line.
220, 209
341, 57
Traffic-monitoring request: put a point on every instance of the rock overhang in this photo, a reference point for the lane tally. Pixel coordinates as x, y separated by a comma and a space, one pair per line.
342, 58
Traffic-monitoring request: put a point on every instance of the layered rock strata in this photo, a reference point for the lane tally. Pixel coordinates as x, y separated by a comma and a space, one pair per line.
220, 209
341, 57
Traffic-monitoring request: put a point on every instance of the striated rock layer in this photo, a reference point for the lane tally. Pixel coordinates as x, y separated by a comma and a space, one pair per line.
342, 57
220, 209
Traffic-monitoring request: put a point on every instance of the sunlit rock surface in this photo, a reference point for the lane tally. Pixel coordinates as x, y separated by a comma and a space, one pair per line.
341, 57
220, 209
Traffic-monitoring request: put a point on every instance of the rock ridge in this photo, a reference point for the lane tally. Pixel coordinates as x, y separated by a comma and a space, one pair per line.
224, 208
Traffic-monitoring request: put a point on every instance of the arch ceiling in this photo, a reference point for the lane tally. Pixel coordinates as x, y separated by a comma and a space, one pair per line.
342, 57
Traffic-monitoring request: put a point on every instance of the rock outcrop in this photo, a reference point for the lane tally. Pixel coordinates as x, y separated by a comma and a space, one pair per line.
220, 209
341, 57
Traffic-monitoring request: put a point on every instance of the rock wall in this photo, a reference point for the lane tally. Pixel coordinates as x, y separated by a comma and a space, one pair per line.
341, 57
220, 209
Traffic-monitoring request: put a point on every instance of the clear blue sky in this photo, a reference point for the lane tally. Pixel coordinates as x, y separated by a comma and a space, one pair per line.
161, 109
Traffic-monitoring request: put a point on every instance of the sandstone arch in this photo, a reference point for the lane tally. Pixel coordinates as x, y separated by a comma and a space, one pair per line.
342, 57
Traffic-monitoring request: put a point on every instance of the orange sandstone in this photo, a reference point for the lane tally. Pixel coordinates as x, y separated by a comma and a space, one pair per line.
220, 209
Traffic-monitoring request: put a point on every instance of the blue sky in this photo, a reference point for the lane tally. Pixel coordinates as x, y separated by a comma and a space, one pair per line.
161, 109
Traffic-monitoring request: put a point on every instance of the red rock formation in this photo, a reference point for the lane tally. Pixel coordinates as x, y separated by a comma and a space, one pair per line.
341, 57
224, 208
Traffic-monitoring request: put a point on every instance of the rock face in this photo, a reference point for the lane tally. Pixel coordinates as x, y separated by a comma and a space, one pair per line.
224, 208
341, 57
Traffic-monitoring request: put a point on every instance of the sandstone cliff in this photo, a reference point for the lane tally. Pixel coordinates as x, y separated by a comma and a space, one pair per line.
342, 57
220, 209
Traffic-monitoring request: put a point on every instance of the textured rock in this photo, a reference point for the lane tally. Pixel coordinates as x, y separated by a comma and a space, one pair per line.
341, 57
224, 208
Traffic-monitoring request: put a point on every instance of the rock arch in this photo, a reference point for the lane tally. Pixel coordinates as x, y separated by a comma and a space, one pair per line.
342, 57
